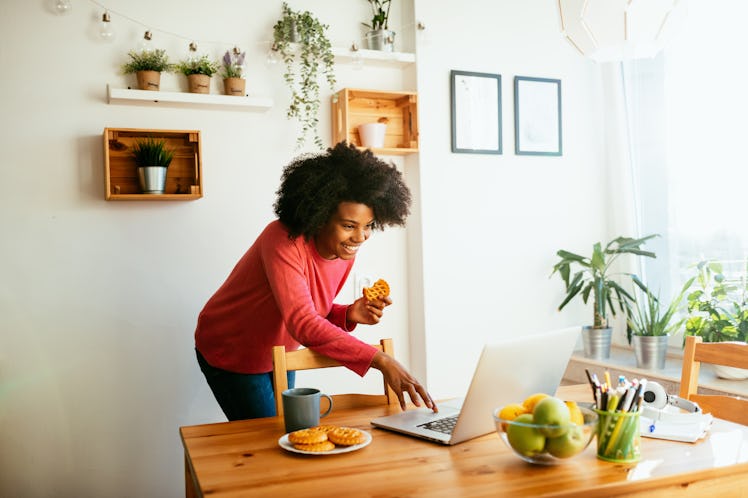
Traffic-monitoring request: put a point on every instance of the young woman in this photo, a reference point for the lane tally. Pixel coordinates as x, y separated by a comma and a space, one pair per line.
281, 291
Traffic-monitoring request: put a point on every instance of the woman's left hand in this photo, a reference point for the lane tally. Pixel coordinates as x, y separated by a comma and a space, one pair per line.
367, 312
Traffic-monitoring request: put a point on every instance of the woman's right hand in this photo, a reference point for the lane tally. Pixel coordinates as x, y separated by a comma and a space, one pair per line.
400, 380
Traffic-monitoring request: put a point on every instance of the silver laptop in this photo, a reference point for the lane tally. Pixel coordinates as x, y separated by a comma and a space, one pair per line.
507, 372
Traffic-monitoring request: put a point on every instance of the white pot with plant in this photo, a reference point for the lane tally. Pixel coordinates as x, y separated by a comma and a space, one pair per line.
651, 323
302, 41
233, 69
594, 277
379, 36
718, 310
152, 159
147, 65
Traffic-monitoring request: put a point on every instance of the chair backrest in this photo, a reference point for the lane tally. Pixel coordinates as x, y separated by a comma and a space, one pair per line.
718, 353
306, 359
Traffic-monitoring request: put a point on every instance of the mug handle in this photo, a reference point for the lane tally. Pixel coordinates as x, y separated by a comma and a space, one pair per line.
329, 408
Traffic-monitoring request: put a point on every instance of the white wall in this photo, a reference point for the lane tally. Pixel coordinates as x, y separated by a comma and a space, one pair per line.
98, 300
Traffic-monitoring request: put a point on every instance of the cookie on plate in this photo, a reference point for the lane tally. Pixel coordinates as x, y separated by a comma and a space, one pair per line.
346, 436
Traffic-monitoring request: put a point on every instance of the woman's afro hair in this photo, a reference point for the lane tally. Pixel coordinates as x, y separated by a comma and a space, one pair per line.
313, 186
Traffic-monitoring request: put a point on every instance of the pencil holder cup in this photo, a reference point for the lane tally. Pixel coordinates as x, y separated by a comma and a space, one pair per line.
618, 438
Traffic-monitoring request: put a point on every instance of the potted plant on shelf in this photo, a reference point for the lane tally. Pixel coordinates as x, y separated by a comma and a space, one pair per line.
718, 310
594, 278
148, 66
651, 323
379, 36
152, 158
301, 40
198, 70
233, 68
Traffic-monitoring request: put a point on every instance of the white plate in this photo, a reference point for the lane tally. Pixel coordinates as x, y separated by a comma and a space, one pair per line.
286, 445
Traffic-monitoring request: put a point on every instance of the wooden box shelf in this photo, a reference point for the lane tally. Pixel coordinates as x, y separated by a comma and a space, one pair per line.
184, 179
352, 107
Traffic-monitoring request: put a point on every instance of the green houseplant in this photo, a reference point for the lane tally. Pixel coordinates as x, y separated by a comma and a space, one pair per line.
718, 309
593, 277
379, 36
302, 41
153, 158
148, 66
651, 322
198, 70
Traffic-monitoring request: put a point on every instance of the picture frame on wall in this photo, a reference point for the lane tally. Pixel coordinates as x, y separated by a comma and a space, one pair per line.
537, 116
476, 112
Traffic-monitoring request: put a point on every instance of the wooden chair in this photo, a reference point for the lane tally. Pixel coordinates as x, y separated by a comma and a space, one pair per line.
306, 359
720, 353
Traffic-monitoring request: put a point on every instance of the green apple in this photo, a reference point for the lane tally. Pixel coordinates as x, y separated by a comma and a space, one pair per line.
552, 411
567, 445
524, 439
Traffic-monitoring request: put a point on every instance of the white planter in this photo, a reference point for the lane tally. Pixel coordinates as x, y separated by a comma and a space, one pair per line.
372, 134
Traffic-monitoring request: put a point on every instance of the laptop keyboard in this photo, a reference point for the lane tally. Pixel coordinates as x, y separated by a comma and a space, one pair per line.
443, 425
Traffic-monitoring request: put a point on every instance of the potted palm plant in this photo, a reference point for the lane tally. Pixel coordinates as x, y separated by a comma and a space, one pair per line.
718, 310
198, 70
594, 277
152, 158
233, 69
651, 323
302, 41
379, 36
147, 66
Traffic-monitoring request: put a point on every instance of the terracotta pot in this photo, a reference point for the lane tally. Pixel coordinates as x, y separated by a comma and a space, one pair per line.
199, 83
148, 80
234, 86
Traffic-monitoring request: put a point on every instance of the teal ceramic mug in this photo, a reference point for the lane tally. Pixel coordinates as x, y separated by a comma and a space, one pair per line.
301, 408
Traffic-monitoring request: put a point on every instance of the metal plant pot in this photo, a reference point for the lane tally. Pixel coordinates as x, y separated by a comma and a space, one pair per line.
596, 342
152, 179
380, 39
650, 351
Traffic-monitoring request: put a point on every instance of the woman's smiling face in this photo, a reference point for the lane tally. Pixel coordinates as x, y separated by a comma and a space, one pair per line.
345, 231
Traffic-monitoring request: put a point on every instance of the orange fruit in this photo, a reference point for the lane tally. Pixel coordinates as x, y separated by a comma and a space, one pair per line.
530, 402
512, 411
576, 414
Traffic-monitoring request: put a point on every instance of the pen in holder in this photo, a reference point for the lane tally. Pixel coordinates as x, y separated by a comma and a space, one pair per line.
618, 437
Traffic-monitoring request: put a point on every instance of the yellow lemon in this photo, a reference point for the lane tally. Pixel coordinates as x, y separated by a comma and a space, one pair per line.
530, 402
512, 411
576, 414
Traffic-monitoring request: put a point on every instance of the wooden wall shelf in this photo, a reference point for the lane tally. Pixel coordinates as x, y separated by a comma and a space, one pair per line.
352, 107
184, 179
186, 99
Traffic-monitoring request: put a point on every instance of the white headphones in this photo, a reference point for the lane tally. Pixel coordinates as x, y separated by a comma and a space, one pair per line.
655, 399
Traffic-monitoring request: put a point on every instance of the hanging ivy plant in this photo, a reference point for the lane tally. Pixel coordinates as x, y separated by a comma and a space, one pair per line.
301, 40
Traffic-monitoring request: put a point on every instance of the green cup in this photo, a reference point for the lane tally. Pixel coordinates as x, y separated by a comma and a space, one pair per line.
618, 438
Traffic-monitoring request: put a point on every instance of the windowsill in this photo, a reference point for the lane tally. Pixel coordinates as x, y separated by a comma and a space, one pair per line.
623, 362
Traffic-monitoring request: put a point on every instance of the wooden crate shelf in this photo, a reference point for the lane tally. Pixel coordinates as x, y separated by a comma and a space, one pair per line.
184, 179
352, 107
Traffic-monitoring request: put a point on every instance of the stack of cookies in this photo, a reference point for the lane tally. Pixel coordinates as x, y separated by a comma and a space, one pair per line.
325, 438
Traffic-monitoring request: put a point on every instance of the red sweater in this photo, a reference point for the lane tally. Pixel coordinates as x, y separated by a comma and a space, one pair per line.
279, 293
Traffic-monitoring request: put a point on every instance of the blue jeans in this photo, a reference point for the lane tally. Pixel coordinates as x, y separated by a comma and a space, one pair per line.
242, 396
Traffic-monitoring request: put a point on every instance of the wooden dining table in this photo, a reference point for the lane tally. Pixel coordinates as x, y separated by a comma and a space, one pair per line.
245, 458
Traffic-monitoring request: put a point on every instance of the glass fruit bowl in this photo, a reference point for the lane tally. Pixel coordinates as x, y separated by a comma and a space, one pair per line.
546, 444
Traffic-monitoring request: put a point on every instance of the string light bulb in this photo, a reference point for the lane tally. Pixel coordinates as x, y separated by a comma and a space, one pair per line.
272, 57
63, 6
357, 61
106, 32
146, 44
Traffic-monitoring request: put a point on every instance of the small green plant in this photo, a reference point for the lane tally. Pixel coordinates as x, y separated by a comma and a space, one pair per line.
304, 65
594, 277
717, 308
233, 63
651, 317
380, 17
147, 60
151, 152
200, 65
